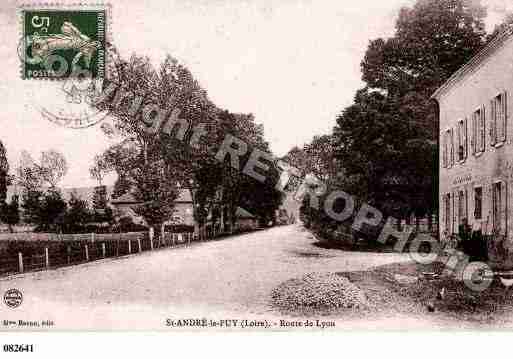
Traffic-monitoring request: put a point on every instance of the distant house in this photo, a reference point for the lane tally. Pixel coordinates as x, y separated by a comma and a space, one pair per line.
245, 221
124, 206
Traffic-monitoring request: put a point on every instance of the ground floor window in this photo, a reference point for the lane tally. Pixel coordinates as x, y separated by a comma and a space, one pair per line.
447, 211
497, 205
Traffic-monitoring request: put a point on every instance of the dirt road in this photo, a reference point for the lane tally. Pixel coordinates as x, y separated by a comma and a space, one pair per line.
230, 278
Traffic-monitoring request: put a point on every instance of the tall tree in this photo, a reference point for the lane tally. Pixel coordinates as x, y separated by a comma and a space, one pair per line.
507, 22
147, 166
12, 213
42, 201
99, 169
53, 167
387, 138
77, 213
4, 174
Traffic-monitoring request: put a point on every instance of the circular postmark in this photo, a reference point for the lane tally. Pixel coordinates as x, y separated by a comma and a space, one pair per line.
13, 298
69, 101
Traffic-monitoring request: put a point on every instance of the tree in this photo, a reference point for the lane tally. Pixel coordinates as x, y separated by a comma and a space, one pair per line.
45, 209
28, 176
316, 157
12, 213
138, 154
100, 197
507, 22
238, 189
77, 215
4, 174
387, 138
53, 167
157, 192
53, 209
42, 206
32, 201
99, 169
29, 179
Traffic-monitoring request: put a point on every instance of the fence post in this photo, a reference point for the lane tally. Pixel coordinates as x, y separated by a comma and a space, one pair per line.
68, 252
92, 237
173, 239
151, 238
20, 261
139, 244
129, 246
188, 238
103, 249
86, 253
47, 258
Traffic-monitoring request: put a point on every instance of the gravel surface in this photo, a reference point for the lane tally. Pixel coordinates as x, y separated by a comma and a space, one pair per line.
318, 292
232, 278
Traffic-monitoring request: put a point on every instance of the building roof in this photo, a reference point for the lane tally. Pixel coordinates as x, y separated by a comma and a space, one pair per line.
126, 198
184, 196
241, 213
497, 43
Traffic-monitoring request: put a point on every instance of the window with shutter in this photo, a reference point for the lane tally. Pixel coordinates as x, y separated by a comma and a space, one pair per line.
482, 137
493, 122
496, 206
465, 137
504, 116
451, 145
454, 212
444, 150
461, 141
473, 137
466, 205
478, 202
480, 134
447, 211
504, 209
461, 206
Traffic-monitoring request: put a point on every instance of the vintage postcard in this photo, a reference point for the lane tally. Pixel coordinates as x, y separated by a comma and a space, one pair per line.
265, 166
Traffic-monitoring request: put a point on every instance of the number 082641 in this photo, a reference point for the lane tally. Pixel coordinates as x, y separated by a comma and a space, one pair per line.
18, 348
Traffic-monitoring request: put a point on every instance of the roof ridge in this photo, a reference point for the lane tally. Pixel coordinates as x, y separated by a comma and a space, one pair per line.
497, 42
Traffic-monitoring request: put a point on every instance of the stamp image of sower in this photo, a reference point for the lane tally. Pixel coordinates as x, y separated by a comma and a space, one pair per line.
61, 43
68, 43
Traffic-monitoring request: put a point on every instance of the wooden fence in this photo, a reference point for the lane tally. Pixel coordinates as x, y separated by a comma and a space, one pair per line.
49, 250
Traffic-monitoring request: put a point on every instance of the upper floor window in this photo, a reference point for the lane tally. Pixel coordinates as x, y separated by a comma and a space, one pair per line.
448, 148
445, 150
498, 109
462, 149
478, 130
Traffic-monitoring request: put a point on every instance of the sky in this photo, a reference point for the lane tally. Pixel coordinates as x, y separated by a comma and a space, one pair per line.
294, 64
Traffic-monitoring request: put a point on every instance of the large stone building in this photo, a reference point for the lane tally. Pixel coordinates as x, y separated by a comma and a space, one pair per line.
476, 146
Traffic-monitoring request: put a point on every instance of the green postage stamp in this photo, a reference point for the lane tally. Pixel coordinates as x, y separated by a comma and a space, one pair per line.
61, 41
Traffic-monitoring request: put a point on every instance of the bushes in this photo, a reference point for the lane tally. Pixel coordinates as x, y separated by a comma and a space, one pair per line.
474, 245
126, 224
179, 228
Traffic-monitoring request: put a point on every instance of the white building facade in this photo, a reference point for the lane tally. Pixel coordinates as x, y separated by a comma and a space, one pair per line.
476, 147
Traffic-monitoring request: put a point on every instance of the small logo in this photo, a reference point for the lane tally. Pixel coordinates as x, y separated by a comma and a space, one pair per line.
13, 298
